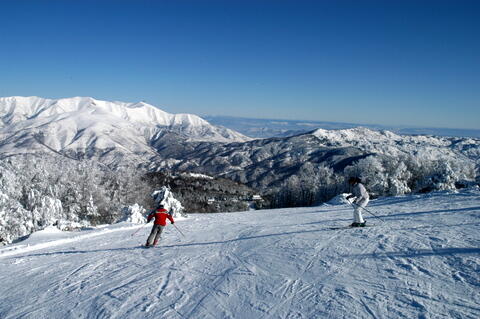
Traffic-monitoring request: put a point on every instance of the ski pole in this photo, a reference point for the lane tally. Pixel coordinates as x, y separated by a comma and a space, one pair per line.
367, 211
139, 229
178, 230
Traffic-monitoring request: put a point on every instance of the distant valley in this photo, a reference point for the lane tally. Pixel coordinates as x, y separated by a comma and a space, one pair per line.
264, 128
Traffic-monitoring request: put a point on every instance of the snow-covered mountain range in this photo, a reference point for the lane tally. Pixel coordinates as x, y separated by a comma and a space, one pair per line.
83, 126
118, 132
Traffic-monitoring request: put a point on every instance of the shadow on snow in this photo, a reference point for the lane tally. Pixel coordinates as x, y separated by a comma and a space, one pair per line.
421, 253
178, 245
439, 211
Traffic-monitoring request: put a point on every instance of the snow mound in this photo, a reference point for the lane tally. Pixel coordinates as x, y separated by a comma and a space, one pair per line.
47, 233
52, 238
340, 199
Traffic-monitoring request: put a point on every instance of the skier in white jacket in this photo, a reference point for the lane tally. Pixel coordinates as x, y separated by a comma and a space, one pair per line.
361, 200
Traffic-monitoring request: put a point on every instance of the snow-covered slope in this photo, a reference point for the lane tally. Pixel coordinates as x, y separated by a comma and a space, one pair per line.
83, 125
386, 142
421, 262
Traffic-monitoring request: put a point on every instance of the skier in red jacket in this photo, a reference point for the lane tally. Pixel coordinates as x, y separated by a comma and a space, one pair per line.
160, 214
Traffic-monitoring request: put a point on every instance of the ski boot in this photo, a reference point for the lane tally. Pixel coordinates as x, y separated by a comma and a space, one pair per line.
355, 224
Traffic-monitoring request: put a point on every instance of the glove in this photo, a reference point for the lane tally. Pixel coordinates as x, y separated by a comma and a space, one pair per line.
173, 223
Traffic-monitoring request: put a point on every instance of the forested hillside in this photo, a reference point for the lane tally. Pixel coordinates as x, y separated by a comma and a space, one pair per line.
37, 191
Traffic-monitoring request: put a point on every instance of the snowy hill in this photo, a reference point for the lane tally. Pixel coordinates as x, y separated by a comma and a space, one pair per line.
421, 262
83, 126
385, 142
269, 162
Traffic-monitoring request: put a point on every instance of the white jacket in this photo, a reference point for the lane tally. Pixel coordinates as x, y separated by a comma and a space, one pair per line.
360, 193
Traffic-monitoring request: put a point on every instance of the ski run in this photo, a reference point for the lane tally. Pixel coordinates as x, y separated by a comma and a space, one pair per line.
422, 261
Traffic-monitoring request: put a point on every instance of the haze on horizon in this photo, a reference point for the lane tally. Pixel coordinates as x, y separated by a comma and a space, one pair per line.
375, 62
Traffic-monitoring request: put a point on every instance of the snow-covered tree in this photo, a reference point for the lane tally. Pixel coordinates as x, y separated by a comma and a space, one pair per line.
398, 178
164, 196
40, 191
444, 174
372, 173
133, 214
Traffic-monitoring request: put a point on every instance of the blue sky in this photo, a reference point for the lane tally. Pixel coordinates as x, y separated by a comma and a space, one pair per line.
374, 62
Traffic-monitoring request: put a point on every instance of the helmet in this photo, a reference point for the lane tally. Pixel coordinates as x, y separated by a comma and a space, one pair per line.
354, 180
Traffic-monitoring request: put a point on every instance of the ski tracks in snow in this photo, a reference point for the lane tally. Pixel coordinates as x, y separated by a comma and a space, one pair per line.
314, 283
422, 263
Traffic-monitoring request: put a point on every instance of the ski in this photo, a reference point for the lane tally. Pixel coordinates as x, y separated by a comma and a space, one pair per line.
350, 227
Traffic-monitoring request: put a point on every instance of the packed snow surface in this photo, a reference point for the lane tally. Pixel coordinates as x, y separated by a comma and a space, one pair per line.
421, 261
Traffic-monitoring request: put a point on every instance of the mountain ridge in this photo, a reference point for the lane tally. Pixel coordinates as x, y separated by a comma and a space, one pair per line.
34, 107
84, 124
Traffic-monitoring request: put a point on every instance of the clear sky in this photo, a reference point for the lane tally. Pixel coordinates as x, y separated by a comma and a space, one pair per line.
374, 62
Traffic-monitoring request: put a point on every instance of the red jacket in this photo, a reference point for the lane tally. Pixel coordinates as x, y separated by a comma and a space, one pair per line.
160, 215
